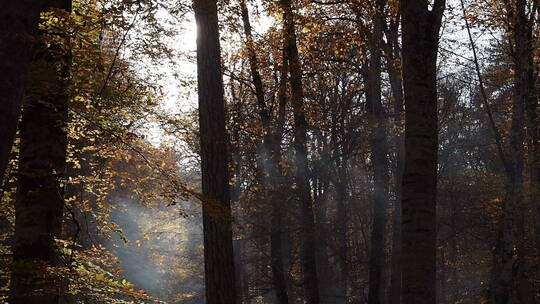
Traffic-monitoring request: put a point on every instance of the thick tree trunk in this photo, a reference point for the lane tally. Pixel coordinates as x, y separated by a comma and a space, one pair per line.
420, 36
18, 29
42, 168
379, 159
303, 188
217, 222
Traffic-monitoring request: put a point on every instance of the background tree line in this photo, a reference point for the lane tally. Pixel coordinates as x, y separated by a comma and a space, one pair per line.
343, 152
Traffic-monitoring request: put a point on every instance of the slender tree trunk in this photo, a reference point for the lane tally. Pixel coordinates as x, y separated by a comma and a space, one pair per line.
393, 53
500, 289
524, 86
42, 168
420, 36
397, 94
218, 251
324, 269
533, 130
271, 155
321, 177
255, 75
18, 29
303, 187
279, 275
501, 276
442, 279
511, 281
342, 227
235, 164
348, 283
244, 295
379, 159
453, 258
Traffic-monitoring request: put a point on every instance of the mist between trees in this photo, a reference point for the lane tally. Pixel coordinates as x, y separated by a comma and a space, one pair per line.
344, 152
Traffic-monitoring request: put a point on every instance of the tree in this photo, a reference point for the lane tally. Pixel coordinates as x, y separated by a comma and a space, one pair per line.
18, 28
525, 114
42, 167
511, 276
379, 156
217, 222
420, 41
271, 157
393, 53
303, 188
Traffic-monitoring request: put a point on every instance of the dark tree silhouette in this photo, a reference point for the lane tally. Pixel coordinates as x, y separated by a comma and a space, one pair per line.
309, 264
420, 38
217, 223
379, 156
42, 168
18, 28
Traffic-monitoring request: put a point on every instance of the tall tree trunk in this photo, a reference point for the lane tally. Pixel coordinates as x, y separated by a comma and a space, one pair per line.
271, 155
501, 276
18, 29
379, 159
42, 168
217, 222
524, 86
235, 164
322, 181
501, 281
512, 281
324, 268
397, 95
342, 224
442, 277
533, 130
303, 187
420, 36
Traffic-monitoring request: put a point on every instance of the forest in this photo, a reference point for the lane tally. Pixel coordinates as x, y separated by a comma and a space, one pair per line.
270, 151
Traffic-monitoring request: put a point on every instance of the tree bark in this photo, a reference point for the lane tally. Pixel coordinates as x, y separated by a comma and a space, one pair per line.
18, 29
42, 169
420, 36
217, 222
379, 159
501, 281
524, 97
397, 94
303, 188
342, 226
324, 269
